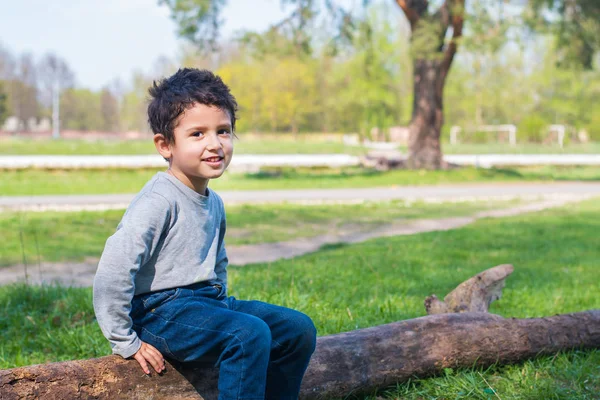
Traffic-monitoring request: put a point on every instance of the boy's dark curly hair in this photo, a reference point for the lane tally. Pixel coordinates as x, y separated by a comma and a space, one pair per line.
171, 96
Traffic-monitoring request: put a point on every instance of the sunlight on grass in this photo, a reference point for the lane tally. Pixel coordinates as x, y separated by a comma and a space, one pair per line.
243, 145
40, 182
555, 254
73, 236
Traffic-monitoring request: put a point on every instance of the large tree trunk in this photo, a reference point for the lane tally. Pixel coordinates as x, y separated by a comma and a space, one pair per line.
428, 116
432, 60
354, 362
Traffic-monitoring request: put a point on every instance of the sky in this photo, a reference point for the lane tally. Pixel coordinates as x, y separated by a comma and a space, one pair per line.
106, 39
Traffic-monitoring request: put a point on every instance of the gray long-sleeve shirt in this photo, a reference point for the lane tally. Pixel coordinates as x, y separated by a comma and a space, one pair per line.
170, 236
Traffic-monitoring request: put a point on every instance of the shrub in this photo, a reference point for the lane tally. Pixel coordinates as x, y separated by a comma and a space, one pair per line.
532, 128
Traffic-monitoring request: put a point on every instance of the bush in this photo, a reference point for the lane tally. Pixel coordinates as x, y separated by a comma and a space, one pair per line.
593, 128
532, 128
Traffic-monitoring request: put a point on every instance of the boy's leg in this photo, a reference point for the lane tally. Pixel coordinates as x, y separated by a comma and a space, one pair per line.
196, 325
293, 342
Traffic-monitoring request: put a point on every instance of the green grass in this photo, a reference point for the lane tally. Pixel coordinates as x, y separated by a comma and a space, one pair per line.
74, 236
251, 224
47, 324
570, 375
243, 145
555, 254
39, 182
269, 144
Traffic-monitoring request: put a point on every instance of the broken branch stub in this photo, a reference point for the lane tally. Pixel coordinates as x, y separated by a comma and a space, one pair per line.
473, 295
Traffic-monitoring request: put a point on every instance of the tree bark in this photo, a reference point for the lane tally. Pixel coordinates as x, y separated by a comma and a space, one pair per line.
432, 60
355, 362
428, 117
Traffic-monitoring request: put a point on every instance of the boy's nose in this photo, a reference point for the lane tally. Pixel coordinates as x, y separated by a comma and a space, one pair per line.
214, 142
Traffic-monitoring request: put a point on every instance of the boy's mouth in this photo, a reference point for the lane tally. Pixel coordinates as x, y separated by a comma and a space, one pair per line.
213, 159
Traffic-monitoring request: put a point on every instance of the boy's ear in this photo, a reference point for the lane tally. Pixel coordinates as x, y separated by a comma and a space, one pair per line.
162, 146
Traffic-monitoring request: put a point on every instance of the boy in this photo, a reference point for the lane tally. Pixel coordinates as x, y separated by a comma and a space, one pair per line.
161, 285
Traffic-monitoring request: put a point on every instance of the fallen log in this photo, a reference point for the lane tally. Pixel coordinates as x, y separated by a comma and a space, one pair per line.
353, 362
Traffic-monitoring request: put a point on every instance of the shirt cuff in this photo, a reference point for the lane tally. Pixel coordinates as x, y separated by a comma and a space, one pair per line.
129, 350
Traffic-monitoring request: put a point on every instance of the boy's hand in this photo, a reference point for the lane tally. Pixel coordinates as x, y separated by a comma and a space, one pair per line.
148, 354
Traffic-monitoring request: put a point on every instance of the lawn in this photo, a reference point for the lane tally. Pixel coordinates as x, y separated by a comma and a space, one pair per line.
74, 236
272, 144
555, 254
39, 182
243, 145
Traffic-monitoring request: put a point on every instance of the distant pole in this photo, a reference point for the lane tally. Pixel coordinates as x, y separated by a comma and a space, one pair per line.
55, 110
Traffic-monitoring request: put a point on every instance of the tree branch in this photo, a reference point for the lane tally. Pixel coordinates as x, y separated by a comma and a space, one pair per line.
457, 18
413, 9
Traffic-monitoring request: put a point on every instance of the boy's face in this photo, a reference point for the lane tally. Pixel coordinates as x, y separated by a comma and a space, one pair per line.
202, 148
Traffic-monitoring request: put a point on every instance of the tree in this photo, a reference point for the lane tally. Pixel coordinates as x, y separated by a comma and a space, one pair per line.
432, 58
435, 36
576, 24
81, 110
368, 81
3, 104
133, 104
198, 21
23, 91
55, 76
109, 110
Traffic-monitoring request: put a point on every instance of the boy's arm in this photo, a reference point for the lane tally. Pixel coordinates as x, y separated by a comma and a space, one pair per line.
222, 260
125, 252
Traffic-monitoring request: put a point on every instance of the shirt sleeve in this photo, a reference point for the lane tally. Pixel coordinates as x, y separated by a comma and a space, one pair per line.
125, 252
222, 260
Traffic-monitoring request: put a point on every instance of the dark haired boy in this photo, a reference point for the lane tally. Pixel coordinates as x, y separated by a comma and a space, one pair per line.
161, 285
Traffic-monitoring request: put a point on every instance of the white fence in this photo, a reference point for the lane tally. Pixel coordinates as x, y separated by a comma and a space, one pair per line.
511, 130
248, 162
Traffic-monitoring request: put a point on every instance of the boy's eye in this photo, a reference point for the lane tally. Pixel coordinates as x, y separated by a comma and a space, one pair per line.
224, 132
197, 134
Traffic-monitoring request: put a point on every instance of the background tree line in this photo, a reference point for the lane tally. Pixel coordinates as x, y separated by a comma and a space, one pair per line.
505, 72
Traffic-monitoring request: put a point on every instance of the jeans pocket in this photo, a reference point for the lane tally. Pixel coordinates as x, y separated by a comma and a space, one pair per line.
156, 341
156, 299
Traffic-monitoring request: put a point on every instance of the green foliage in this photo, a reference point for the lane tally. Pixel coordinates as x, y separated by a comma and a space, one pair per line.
330, 68
364, 86
132, 114
575, 25
81, 109
109, 111
3, 104
197, 20
377, 94
532, 128
22, 101
514, 84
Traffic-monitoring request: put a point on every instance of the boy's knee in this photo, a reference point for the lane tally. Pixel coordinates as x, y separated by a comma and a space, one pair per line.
255, 334
306, 331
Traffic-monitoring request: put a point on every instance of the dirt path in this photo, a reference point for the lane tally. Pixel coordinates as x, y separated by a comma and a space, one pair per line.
82, 273
426, 193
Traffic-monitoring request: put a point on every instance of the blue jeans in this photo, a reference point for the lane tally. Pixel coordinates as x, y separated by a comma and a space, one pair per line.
262, 350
